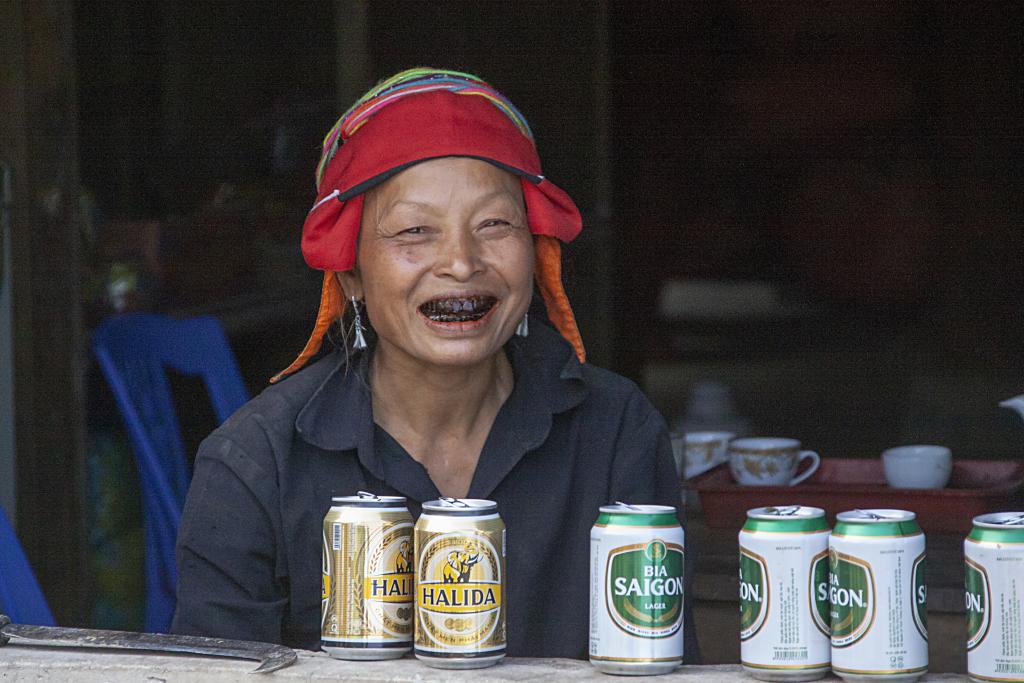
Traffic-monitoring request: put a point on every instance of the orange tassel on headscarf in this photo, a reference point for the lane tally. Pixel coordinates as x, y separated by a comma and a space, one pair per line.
332, 307
548, 273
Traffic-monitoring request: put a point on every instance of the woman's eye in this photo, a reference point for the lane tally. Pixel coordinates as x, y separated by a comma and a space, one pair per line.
495, 221
418, 230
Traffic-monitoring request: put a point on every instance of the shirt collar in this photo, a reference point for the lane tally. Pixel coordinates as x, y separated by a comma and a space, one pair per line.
339, 414
548, 380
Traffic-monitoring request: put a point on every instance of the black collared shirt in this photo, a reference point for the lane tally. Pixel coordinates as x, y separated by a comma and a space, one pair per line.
570, 438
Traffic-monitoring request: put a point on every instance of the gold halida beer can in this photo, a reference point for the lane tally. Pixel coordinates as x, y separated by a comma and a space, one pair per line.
878, 596
460, 584
994, 583
367, 600
784, 604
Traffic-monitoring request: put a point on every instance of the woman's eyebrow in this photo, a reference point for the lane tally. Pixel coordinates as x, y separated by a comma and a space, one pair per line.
500, 199
404, 205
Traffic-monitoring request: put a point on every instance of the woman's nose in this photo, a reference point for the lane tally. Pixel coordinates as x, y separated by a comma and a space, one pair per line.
460, 256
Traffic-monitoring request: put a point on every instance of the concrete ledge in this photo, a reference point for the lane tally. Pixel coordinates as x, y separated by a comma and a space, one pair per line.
21, 664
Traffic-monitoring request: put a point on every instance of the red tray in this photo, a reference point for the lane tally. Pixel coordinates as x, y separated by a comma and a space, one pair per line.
975, 487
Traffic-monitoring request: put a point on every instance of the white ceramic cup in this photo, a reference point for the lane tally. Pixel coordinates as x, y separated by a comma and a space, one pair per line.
769, 461
704, 450
917, 466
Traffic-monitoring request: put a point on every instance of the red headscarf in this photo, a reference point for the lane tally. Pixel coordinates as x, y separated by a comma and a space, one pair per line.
414, 116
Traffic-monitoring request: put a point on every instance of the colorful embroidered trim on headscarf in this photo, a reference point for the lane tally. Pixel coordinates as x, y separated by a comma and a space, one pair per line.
414, 116
406, 83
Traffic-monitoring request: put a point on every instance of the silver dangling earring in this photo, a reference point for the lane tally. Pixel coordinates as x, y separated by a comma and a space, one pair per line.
524, 326
359, 343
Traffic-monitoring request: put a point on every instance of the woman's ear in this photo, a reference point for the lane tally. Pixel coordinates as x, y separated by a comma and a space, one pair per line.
351, 283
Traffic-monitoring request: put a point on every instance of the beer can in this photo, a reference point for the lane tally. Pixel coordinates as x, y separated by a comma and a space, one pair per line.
636, 590
460, 584
366, 604
994, 582
878, 596
784, 606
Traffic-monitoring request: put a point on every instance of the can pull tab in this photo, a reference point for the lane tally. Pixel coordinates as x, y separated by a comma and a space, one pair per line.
1019, 519
872, 515
787, 511
626, 505
454, 502
366, 495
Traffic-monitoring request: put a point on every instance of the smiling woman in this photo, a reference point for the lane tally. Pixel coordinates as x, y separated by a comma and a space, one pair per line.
433, 225
445, 263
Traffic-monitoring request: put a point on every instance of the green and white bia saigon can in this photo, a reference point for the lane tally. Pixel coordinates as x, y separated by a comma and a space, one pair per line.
878, 596
636, 590
994, 582
784, 605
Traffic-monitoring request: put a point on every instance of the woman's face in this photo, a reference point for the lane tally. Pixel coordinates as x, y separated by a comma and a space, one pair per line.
445, 261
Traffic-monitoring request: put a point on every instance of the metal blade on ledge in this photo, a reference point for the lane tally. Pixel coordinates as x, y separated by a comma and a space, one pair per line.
271, 657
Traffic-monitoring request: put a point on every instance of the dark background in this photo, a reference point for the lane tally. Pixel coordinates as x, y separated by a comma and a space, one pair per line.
857, 163
859, 159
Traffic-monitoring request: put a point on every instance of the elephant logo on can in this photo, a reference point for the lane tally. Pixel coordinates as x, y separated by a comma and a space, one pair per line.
403, 559
459, 563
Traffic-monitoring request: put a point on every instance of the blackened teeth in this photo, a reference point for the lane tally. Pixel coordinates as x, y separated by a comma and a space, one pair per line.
458, 309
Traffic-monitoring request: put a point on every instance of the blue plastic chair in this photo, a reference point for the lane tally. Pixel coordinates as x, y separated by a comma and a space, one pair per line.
20, 596
134, 350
